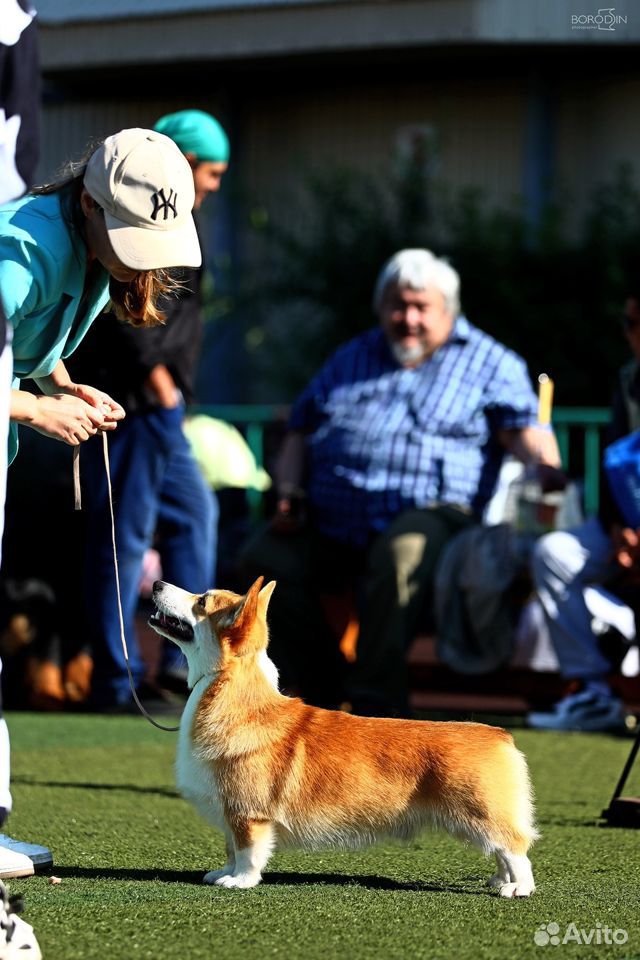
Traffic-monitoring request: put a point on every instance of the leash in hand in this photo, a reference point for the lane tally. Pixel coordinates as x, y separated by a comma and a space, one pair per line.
78, 506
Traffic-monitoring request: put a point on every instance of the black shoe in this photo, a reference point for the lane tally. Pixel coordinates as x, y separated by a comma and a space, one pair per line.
153, 698
174, 682
374, 706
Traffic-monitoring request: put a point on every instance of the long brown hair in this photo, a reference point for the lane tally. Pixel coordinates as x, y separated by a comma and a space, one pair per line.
136, 302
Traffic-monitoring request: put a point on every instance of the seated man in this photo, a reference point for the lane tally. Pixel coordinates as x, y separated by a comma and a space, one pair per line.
600, 550
393, 448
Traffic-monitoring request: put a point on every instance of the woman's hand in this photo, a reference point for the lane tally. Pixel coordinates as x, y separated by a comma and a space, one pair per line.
58, 384
60, 416
110, 409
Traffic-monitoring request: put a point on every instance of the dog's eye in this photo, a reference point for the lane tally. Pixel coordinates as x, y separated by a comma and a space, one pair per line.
202, 602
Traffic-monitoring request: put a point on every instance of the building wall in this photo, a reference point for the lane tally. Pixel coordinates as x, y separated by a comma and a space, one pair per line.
69, 125
477, 135
479, 129
597, 133
80, 34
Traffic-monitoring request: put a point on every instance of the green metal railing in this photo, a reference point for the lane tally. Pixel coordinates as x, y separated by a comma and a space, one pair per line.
253, 418
590, 420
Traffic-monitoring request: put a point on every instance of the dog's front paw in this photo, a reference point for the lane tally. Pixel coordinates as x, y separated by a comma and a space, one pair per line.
214, 875
240, 881
521, 889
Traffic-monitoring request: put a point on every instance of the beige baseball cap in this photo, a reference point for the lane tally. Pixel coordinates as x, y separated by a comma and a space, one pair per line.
144, 184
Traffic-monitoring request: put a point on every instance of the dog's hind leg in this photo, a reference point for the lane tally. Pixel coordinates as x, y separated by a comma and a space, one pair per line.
519, 881
254, 841
214, 875
514, 876
501, 876
510, 822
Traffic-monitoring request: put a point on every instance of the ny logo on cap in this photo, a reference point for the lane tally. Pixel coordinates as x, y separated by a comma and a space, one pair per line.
160, 202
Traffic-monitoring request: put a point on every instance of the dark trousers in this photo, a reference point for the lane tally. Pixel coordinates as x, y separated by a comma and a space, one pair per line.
392, 580
157, 489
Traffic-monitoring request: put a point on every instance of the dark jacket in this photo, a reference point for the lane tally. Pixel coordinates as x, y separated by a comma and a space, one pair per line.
625, 418
117, 358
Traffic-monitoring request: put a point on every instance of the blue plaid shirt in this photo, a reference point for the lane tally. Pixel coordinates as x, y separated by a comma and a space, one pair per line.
383, 439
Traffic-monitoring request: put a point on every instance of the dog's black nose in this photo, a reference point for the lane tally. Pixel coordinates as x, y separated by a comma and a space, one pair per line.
158, 587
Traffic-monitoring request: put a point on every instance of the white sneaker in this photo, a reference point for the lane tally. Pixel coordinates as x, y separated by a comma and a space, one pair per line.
14, 864
17, 939
41, 857
586, 711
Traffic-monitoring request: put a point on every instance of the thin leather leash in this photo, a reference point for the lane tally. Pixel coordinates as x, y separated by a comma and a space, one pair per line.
78, 506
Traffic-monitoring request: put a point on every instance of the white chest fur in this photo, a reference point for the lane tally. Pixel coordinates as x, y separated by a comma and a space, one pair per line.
194, 778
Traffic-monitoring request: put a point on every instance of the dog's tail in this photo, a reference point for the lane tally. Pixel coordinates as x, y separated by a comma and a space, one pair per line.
510, 800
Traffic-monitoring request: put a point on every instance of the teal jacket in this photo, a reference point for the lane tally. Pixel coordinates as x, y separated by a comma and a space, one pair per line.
43, 265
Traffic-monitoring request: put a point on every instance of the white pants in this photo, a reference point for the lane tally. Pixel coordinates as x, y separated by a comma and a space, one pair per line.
564, 564
6, 367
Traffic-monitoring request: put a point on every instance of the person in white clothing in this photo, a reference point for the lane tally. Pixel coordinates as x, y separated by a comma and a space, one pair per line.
19, 108
566, 563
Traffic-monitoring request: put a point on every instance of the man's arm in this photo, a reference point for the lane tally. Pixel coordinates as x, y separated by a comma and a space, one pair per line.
537, 447
163, 386
288, 474
532, 445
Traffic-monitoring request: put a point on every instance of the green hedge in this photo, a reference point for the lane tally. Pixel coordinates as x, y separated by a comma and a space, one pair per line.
554, 292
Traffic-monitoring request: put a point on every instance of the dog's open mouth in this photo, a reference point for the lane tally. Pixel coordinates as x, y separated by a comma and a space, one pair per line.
173, 626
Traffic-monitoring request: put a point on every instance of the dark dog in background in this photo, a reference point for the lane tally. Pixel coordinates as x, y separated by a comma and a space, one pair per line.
28, 635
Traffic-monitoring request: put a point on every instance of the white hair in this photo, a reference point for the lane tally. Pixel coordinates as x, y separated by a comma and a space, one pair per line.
418, 269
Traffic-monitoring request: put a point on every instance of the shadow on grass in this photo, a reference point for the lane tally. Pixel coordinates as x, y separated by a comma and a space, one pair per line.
555, 815
79, 785
370, 882
126, 873
272, 879
558, 821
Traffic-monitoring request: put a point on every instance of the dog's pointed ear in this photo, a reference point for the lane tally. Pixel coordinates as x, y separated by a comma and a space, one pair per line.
244, 612
265, 597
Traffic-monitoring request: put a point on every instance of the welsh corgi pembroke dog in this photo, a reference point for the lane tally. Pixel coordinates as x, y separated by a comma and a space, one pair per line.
268, 769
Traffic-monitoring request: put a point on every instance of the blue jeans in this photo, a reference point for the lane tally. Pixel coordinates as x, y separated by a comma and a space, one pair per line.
563, 564
159, 498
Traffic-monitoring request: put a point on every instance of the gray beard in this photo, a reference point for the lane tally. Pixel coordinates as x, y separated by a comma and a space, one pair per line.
406, 355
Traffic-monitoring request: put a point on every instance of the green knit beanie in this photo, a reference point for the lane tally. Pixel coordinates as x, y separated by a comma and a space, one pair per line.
196, 132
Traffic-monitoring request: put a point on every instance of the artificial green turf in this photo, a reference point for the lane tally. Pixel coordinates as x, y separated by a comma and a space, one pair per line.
99, 791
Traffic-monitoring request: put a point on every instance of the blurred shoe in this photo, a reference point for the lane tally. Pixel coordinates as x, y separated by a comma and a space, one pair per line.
374, 706
41, 857
17, 939
77, 678
44, 682
14, 864
153, 698
586, 711
157, 700
174, 681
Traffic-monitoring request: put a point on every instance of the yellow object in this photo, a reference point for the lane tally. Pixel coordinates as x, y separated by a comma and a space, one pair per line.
545, 399
223, 455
